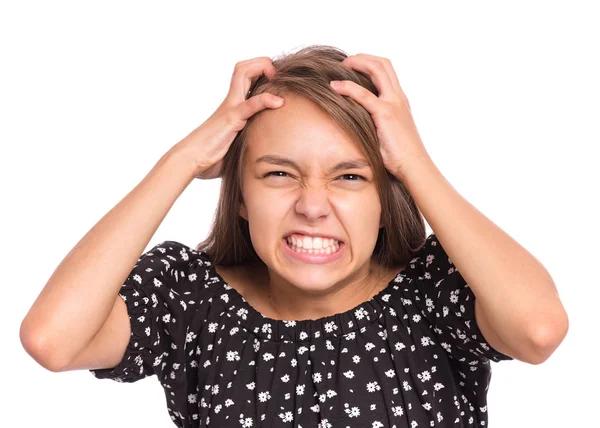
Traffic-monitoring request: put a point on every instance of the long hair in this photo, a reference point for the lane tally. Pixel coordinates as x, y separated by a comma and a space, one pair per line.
307, 73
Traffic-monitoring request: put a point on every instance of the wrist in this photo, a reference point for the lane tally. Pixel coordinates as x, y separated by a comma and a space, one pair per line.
181, 157
411, 167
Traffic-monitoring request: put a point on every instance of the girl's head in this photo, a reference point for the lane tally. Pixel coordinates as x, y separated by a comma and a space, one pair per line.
279, 175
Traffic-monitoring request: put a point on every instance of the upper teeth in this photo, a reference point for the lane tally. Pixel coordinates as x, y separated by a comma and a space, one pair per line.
307, 242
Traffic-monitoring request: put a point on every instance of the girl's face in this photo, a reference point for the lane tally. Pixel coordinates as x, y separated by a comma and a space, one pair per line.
311, 196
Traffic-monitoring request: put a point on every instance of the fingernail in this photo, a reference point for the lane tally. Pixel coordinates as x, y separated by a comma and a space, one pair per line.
335, 83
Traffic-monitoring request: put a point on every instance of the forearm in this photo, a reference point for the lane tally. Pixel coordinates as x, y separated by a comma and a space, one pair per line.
81, 292
515, 291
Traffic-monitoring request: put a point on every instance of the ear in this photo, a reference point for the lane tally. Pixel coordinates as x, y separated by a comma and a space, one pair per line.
243, 211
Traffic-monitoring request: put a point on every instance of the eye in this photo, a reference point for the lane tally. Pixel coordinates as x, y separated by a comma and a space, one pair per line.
274, 172
359, 177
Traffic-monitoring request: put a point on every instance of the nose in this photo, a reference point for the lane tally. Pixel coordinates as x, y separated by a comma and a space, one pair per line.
313, 203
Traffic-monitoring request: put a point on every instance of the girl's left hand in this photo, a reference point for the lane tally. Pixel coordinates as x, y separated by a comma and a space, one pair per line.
399, 140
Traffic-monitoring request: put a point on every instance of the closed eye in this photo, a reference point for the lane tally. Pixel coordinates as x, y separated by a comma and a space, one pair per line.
360, 177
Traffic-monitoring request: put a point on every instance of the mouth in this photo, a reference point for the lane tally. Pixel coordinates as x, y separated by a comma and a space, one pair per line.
313, 255
313, 246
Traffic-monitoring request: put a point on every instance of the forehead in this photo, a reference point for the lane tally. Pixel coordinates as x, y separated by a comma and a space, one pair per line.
299, 129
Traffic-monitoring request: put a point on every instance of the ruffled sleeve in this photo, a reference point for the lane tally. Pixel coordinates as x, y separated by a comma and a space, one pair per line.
448, 302
161, 295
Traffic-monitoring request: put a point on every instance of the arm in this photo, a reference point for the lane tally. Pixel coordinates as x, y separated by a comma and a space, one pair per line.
517, 305
80, 294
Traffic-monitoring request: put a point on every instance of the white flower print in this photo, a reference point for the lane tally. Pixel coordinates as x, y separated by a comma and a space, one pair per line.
426, 341
397, 410
360, 313
454, 296
264, 396
190, 336
324, 424
267, 356
233, 356
317, 377
286, 417
330, 326
242, 313
373, 386
424, 376
349, 374
353, 412
300, 389
246, 422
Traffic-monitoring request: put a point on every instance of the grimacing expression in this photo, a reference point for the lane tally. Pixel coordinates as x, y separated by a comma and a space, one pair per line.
279, 198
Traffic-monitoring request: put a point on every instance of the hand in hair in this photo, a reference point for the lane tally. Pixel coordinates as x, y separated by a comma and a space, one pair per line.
399, 139
209, 143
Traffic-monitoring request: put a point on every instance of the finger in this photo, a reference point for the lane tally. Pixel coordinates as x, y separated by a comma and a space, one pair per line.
245, 71
361, 95
387, 64
375, 68
257, 103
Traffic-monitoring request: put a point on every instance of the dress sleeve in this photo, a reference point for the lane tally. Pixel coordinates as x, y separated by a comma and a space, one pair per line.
448, 303
161, 298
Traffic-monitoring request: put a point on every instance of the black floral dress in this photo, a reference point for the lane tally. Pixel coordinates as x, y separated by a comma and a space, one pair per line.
411, 356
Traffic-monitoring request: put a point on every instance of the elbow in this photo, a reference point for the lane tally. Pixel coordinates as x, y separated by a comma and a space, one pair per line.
34, 344
548, 337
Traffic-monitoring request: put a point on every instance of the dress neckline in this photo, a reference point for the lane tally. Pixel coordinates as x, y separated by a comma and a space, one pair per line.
342, 323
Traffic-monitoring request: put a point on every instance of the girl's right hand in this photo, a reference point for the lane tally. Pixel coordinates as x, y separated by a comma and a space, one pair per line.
210, 141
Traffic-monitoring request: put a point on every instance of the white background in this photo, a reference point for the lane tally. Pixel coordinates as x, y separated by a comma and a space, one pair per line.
505, 96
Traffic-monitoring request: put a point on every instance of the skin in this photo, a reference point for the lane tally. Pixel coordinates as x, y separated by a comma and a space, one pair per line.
312, 199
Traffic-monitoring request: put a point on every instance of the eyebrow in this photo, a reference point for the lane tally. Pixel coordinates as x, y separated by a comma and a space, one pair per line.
280, 160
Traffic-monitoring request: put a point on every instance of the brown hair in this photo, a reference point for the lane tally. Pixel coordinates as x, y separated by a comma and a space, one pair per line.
307, 73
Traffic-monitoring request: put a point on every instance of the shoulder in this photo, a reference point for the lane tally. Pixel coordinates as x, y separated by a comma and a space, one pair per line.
170, 263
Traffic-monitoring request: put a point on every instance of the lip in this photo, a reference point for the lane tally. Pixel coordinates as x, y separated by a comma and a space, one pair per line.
312, 258
312, 235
